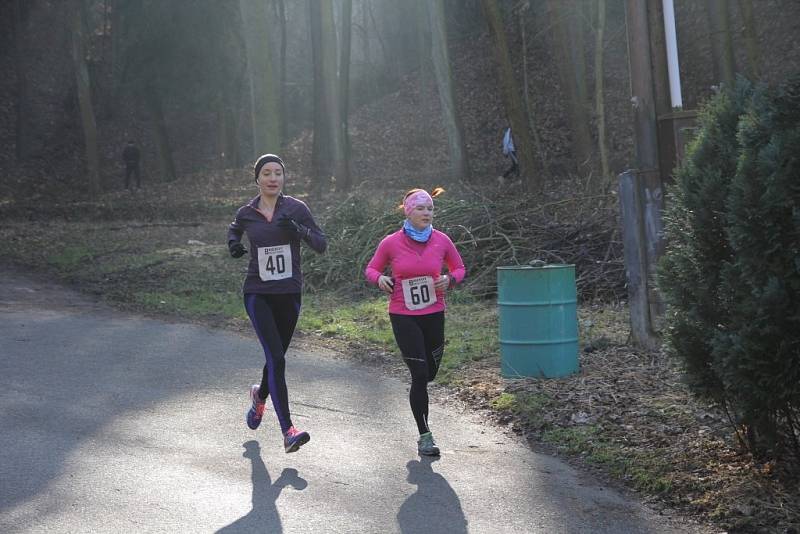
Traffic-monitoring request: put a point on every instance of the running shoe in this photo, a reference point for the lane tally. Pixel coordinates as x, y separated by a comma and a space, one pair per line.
426, 446
256, 411
293, 439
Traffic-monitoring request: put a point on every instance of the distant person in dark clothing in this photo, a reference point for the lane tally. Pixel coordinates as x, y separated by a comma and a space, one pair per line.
510, 151
131, 156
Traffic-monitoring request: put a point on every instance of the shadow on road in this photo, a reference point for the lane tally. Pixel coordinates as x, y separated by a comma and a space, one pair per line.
264, 516
434, 508
96, 371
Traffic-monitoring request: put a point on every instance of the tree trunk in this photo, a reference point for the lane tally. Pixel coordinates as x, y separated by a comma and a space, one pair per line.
227, 129
423, 52
85, 96
22, 102
284, 112
576, 29
399, 37
658, 57
721, 41
264, 89
166, 165
750, 39
223, 134
230, 90
344, 92
537, 142
512, 102
571, 66
327, 155
331, 84
598, 95
234, 155
117, 40
386, 69
459, 166
367, 50
320, 148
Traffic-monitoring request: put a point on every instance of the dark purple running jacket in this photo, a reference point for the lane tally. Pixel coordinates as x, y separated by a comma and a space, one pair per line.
274, 252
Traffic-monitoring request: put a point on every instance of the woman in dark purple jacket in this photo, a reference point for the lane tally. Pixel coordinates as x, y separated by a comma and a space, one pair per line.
275, 225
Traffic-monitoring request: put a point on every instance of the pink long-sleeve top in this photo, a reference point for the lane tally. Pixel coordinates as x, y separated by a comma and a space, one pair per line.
409, 259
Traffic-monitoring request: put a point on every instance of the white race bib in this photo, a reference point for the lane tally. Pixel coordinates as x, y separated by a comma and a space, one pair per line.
418, 292
275, 263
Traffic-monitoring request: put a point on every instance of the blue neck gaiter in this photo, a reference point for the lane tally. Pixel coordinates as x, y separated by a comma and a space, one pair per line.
420, 236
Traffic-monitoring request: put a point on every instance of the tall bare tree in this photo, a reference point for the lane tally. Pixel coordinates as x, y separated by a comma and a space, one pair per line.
22, 102
280, 6
567, 23
117, 37
366, 48
423, 39
459, 164
524, 9
750, 39
166, 163
84, 86
344, 92
512, 101
327, 154
721, 40
264, 86
229, 52
599, 98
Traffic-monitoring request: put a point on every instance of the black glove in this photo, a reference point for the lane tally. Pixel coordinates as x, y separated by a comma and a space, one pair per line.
236, 249
293, 227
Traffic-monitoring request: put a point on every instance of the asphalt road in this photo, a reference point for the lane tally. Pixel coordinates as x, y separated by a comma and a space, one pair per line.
117, 423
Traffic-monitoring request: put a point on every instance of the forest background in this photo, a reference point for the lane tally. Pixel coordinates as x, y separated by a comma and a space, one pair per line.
365, 99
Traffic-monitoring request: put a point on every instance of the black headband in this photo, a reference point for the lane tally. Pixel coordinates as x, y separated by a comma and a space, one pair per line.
266, 158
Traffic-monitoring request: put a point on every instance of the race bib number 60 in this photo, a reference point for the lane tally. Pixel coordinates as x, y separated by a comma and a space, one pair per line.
418, 293
275, 263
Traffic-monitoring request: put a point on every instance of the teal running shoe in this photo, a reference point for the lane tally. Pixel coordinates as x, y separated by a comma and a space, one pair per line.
426, 445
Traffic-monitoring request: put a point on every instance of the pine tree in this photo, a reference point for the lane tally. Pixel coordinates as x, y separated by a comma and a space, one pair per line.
731, 271
690, 272
759, 354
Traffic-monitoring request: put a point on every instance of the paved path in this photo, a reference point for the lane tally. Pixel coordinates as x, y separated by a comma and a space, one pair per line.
115, 423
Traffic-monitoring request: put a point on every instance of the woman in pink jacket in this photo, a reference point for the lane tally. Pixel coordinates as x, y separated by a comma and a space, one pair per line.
415, 255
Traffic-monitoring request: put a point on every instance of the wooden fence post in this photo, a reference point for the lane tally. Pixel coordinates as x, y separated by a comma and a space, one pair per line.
640, 221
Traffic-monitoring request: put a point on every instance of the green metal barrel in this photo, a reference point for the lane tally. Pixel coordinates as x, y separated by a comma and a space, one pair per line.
538, 321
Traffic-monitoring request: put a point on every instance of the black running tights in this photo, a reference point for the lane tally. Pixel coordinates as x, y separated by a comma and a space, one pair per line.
421, 341
274, 318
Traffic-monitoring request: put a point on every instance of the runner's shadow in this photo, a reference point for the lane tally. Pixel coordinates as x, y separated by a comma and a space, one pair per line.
264, 516
434, 508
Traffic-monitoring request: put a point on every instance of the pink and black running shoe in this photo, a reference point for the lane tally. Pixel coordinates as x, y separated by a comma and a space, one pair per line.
256, 411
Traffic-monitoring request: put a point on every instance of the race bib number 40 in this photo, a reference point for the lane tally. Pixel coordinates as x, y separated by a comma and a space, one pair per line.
275, 263
418, 293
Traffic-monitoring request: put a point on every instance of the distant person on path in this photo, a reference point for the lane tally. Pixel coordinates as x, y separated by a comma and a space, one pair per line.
510, 151
275, 224
131, 156
415, 255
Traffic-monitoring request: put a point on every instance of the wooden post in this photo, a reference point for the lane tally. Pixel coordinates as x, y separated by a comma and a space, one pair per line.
661, 95
649, 193
636, 267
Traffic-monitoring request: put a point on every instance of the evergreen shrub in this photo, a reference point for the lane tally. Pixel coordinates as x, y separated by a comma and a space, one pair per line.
731, 270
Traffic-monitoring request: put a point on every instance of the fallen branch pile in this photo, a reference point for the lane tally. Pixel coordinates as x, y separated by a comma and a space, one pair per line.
489, 232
